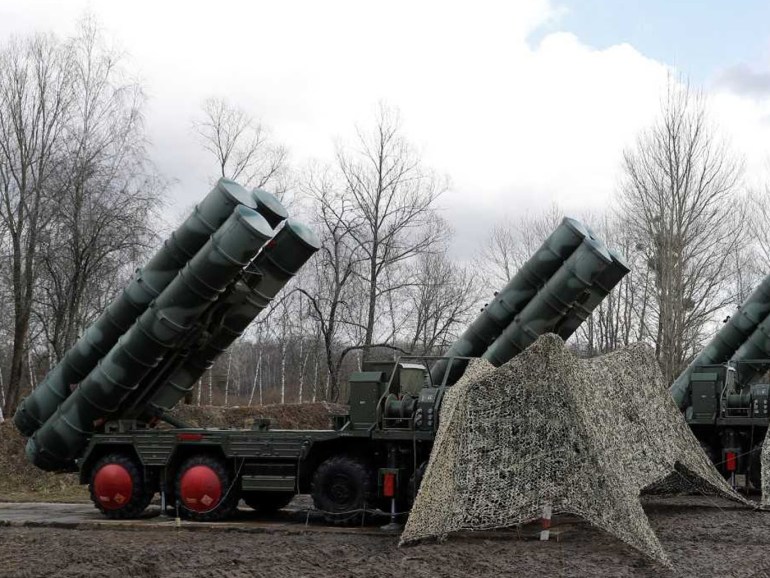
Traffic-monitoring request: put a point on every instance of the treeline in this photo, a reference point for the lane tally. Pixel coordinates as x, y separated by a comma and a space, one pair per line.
77, 194
695, 237
79, 211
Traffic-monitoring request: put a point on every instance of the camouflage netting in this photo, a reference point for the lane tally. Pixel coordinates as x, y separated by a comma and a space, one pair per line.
764, 461
547, 428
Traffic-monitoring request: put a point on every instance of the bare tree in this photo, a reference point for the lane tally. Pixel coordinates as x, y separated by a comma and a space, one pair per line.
512, 241
283, 334
106, 193
620, 318
327, 282
35, 101
678, 199
242, 146
759, 213
392, 199
442, 300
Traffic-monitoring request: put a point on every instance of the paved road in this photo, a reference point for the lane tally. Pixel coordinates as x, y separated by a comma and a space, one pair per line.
297, 518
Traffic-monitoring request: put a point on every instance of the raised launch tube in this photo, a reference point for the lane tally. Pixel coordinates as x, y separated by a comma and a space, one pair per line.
553, 302
159, 329
728, 340
136, 403
118, 317
512, 299
275, 265
756, 347
605, 282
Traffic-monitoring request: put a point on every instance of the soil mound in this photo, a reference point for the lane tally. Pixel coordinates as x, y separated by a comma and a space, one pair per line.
281, 416
20, 480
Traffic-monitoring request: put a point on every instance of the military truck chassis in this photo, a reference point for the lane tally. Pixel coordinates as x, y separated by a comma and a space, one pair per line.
204, 472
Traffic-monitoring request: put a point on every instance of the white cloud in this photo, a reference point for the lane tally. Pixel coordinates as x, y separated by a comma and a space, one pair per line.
745, 121
516, 126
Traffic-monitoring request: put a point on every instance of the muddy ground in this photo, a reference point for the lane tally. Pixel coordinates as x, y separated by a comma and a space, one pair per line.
703, 538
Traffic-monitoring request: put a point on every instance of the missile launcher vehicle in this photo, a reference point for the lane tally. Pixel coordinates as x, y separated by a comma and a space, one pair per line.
102, 411
724, 393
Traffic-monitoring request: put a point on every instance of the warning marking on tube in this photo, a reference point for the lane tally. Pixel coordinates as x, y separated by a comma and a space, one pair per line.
206, 500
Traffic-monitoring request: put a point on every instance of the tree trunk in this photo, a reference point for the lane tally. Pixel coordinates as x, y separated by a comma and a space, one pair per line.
315, 377
283, 372
259, 371
372, 301
21, 329
254, 381
2, 395
302, 366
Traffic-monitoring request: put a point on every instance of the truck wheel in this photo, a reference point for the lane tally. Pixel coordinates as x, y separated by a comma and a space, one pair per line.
342, 487
205, 489
118, 487
268, 502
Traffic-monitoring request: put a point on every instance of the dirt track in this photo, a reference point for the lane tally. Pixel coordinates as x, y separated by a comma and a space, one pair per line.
702, 537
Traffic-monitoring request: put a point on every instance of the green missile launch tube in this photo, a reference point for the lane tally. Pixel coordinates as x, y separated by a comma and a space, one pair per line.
278, 262
757, 346
118, 317
727, 341
594, 295
162, 326
553, 302
270, 207
274, 213
512, 299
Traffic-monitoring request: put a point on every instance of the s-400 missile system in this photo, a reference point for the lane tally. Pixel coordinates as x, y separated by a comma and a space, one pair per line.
724, 392
208, 282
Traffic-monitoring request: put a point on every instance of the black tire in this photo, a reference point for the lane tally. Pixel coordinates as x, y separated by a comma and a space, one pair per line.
229, 496
343, 486
141, 492
267, 502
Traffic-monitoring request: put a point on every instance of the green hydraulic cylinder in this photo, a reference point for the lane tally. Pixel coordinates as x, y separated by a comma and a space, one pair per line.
727, 341
512, 299
553, 302
159, 330
278, 262
118, 317
756, 347
594, 295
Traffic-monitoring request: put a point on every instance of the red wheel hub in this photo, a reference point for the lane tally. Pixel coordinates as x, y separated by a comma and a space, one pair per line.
113, 486
201, 488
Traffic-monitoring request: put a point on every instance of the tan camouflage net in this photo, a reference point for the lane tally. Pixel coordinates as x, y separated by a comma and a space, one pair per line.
764, 462
583, 436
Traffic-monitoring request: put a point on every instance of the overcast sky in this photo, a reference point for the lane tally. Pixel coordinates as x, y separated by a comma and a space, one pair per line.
520, 103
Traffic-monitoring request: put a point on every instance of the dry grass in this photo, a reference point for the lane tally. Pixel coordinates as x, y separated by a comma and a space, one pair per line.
21, 481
